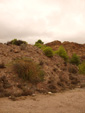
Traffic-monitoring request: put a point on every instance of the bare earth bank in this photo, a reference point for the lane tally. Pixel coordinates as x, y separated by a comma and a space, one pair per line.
72, 101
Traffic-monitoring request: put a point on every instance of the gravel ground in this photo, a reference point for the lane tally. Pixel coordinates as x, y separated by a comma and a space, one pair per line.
72, 101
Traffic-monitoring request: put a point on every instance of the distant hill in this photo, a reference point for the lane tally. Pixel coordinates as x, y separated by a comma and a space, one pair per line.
71, 47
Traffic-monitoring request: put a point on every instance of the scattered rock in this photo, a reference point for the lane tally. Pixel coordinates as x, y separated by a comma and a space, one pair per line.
12, 98
58, 74
50, 93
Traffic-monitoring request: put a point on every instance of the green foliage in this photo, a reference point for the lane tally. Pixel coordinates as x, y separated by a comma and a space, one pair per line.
75, 59
14, 41
39, 42
62, 53
82, 68
17, 42
41, 46
48, 52
28, 70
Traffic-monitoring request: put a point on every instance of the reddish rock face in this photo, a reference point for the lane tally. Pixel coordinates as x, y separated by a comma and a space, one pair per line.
70, 47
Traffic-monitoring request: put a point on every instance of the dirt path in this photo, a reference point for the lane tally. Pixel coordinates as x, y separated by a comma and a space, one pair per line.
68, 102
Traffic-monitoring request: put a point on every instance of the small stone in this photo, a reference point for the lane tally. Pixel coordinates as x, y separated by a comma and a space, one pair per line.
12, 98
33, 95
50, 93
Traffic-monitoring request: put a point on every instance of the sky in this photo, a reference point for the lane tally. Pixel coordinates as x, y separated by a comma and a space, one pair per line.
47, 20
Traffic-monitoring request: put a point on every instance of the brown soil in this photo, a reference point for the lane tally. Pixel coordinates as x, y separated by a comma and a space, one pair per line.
70, 47
59, 75
72, 101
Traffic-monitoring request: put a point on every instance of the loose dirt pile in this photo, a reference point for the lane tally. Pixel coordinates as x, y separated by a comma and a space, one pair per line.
58, 74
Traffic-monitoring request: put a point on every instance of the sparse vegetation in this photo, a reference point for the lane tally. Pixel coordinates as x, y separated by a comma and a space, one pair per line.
28, 70
75, 59
38, 45
23, 46
82, 68
48, 52
73, 69
62, 53
41, 46
39, 42
17, 42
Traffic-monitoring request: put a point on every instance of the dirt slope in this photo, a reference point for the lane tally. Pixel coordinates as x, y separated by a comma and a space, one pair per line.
70, 47
58, 75
68, 102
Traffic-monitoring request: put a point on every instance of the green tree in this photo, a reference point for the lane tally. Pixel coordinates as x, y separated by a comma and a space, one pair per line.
75, 59
62, 53
39, 41
17, 42
48, 52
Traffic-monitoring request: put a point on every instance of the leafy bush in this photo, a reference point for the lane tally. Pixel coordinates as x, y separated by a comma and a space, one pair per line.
17, 42
39, 42
39, 45
75, 59
28, 70
48, 52
62, 53
82, 68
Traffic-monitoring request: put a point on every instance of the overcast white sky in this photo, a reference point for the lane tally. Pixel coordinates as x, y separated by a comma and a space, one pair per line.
47, 20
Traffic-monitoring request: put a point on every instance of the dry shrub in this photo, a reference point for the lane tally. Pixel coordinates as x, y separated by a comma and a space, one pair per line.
2, 65
52, 84
23, 46
72, 70
28, 70
41, 63
82, 68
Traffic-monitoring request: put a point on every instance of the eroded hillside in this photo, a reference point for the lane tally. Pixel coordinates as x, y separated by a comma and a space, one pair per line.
70, 47
58, 74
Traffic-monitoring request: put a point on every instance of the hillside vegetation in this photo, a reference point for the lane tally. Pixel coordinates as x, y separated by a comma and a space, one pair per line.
70, 47
27, 69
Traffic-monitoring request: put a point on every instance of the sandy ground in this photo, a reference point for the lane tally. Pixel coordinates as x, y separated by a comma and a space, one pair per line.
72, 101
